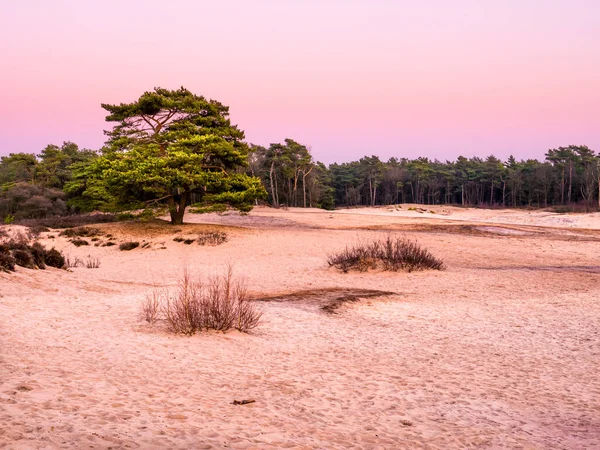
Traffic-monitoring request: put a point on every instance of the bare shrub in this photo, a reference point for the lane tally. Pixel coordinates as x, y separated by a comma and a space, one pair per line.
72, 263
92, 262
151, 305
212, 238
221, 303
391, 253
126, 246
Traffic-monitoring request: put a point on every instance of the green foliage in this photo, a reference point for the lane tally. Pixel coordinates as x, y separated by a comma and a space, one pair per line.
216, 208
170, 146
9, 218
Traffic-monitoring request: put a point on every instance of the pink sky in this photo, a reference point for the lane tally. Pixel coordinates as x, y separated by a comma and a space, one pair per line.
434, 78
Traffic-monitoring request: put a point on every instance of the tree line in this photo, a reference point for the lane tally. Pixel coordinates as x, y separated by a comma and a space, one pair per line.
175, 148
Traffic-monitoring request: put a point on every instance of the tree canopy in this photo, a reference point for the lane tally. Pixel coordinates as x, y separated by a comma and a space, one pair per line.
174, 147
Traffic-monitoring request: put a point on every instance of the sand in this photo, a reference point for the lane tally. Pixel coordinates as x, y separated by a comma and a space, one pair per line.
501, 350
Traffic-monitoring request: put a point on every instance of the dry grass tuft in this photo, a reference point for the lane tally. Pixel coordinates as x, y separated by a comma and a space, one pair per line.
92, 262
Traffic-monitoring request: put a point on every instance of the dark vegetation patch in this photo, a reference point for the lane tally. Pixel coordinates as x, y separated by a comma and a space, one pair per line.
76, 220
126, 246
78, 242
390, 253
328, 300
21, 252
212, 238
81, 232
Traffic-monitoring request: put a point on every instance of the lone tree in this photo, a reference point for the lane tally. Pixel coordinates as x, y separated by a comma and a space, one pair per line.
172, 146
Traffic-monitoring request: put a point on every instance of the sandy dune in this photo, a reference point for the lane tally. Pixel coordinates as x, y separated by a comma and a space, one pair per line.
501, 350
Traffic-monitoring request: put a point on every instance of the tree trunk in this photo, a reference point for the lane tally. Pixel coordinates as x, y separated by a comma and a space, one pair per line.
570, 181
598, 175
272, 186
177, 208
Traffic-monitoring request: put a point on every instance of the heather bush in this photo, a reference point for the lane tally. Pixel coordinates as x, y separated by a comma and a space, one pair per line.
390, 254
81, 232
126, 246
20, 252
7, 260
54, 258
212, 238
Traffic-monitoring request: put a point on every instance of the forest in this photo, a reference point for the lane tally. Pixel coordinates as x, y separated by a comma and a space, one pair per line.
174, 149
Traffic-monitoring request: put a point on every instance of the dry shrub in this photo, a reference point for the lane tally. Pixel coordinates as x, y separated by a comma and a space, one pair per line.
390, 253
72, 263
212, 238
151, 306
221, 303
126, 246
92, 262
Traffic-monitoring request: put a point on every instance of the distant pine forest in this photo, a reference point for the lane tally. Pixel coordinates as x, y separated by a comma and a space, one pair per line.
46, 184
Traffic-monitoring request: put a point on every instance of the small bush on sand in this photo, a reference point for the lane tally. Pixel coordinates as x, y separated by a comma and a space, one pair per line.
54, 258
390, 253
23, 258
221, 303
78, 242
126, 246
20, 252
212, 238
7, 260
81, 232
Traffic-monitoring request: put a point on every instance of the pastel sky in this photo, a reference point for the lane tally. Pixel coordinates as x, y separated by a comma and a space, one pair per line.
435, 78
